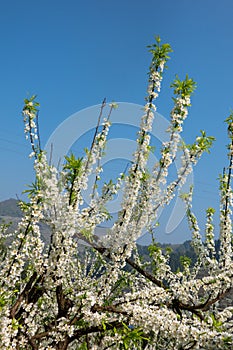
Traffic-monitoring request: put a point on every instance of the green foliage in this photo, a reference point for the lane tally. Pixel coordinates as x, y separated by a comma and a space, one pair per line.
227, 342
223, 183
3, 246
210, 211
184, 87
83, 346
156, 255
31, 105
202, 144
185, 261
113, 105
160, 53
3, 300
229, 121
73, 168
216, 323
154, 248
73, 165
15, 324
130, 336
32, 191
169, 250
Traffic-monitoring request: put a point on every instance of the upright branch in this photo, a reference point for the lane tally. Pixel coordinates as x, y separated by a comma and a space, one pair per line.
226, 196
30, 118
120, 231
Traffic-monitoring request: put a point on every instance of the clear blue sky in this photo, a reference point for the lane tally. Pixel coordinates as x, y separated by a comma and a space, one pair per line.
73, 53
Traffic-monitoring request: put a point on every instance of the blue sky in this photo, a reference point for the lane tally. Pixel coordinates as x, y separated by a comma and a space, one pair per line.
73, 53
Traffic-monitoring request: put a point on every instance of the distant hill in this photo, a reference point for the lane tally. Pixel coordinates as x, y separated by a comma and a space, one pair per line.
10, 212
10, 207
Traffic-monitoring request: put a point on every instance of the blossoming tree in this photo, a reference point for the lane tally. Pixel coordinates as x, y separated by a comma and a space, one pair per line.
54, 297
